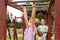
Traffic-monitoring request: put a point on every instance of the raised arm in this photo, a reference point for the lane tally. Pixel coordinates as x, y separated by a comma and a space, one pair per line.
32, 19
25, 15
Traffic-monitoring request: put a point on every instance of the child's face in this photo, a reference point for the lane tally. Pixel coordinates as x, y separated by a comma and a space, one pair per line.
42, 22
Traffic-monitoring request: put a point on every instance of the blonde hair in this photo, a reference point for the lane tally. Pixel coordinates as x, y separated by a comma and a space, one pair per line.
42, 19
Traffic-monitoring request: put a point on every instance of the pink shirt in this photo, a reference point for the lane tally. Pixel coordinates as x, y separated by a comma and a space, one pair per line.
29, 33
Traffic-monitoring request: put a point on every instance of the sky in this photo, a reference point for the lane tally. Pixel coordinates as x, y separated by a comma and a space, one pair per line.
14, 12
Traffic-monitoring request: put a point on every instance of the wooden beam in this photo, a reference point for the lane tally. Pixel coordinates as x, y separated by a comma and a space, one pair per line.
15, 32
16, 6
57, 19
3, 16
50, 5
49, 21
49, 25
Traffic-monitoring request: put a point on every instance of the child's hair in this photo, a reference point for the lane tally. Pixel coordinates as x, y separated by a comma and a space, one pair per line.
42, 20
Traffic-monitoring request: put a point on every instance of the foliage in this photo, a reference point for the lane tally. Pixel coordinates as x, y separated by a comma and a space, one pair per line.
40, 15
19, 25
8, 18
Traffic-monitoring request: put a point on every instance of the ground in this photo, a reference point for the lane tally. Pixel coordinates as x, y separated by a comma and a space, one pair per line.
19, 32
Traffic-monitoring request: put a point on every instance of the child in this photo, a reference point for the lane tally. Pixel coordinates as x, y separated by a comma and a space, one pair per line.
30, 30
44, 29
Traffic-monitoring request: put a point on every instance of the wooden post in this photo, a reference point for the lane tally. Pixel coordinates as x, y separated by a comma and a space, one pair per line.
15, 32
57, 19
49, 34
24, 26
49, 25
3, 26
9, 32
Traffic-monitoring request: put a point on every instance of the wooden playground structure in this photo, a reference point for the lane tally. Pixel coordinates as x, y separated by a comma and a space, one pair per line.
45, 8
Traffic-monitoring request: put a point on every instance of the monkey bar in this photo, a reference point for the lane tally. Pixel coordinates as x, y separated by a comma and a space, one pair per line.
19, 1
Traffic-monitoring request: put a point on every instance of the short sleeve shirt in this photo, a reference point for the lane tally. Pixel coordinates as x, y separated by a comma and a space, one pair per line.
43, 28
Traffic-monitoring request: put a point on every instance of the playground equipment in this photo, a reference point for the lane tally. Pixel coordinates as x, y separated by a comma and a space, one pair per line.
14, 26
28, 1
15, 32
14, 4
9, 34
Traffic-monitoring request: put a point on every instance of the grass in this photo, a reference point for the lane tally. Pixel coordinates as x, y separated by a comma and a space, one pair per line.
19, 31
19, 38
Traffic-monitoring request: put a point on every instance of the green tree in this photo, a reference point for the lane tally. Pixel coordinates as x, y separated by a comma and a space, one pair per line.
40, 15
8, 18
18, 25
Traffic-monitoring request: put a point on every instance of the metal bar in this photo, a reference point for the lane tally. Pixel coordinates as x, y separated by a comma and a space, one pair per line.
19, 1
18, 6
38, 8
31, 5
22, 4
36, 4
28, 4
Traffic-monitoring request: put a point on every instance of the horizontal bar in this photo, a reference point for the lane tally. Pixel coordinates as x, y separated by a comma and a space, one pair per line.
29, 0
20, 1
28, 4
38, 8
31, 5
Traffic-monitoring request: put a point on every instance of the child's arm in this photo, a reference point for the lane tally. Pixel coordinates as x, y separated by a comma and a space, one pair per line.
25, 15
46, 30
32, 19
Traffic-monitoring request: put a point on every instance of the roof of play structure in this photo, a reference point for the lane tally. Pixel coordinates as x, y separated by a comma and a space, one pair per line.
41, 5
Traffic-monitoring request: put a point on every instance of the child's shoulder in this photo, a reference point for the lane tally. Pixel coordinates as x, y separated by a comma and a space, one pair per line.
39, 26
45, 26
